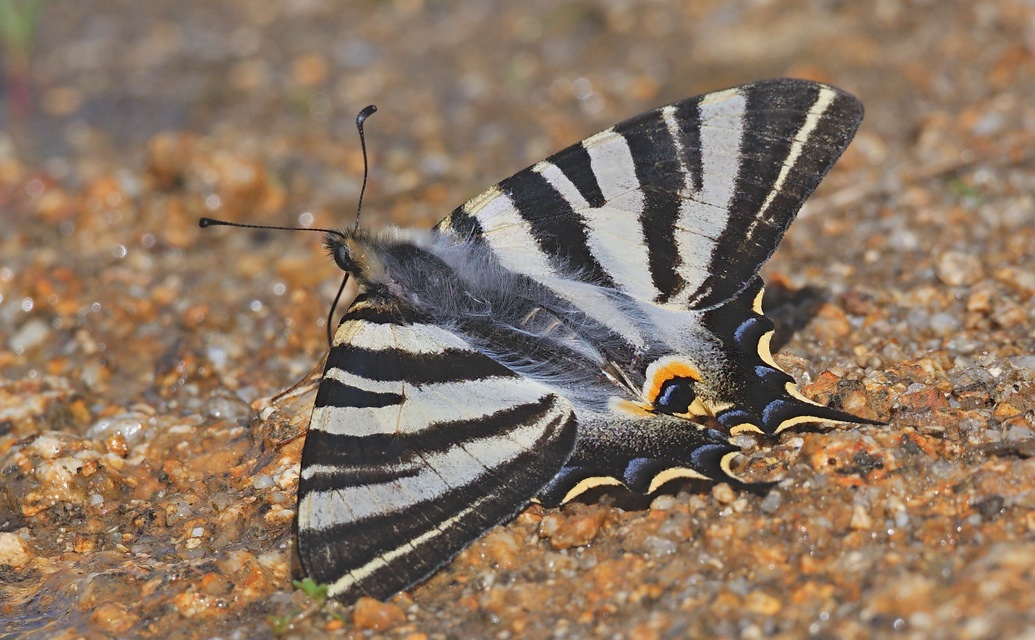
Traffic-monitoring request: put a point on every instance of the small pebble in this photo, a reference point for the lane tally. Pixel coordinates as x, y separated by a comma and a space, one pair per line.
31, 334
1017, 433
578, 530
956, 269
128, 426
14, 551
376, 615
663, 502
861, 520
262, 482
659, 547
762, 603
112, 617
943, 324
771, 503
723, 493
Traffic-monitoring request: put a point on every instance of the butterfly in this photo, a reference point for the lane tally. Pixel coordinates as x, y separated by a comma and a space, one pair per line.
593, 320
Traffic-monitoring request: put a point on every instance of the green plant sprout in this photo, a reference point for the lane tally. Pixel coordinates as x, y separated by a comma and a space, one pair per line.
19, 21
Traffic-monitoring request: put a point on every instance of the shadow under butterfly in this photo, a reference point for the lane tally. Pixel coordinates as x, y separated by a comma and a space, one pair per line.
593, 320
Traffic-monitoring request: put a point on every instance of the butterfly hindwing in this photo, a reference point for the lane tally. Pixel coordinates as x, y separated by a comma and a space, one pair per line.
417, 446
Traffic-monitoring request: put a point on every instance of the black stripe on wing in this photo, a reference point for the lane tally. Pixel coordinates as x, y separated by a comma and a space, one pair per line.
555, 226
333, 393
452, 365
663, 168
576, 167
687, 117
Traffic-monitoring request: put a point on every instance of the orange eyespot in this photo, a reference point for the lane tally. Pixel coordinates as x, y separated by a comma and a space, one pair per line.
662, 371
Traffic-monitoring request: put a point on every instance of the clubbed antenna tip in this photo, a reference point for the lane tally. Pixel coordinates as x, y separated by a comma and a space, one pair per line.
361, 117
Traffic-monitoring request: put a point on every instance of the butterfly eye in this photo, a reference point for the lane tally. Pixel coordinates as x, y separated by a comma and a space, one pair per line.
343, 258
676, 396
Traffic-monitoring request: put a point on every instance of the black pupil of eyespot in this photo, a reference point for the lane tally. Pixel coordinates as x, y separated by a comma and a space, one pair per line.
676, 396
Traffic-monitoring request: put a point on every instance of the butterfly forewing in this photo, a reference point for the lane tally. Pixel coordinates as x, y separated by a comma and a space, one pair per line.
680, 205
418, 444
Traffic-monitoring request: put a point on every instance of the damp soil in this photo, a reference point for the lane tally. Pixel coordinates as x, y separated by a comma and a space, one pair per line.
156, 379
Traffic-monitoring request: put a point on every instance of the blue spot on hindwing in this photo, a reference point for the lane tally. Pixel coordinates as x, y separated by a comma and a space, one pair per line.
733, 417
750, 332
779, 410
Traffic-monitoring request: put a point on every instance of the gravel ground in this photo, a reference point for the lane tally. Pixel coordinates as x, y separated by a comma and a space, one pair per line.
155, 380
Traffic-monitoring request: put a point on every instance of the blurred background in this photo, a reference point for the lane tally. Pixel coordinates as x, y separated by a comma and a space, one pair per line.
467, 91
129, 336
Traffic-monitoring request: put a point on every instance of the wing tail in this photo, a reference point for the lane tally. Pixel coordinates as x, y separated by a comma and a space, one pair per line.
763, 397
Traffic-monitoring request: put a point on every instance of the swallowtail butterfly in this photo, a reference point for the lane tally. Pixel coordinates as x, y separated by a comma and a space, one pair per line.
592, 320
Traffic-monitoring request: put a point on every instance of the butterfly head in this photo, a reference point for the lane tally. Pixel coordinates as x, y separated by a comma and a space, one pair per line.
342, 248
355, 254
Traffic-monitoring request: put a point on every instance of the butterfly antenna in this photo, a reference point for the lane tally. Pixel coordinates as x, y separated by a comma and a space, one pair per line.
361, 117
213, 222
330, 315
